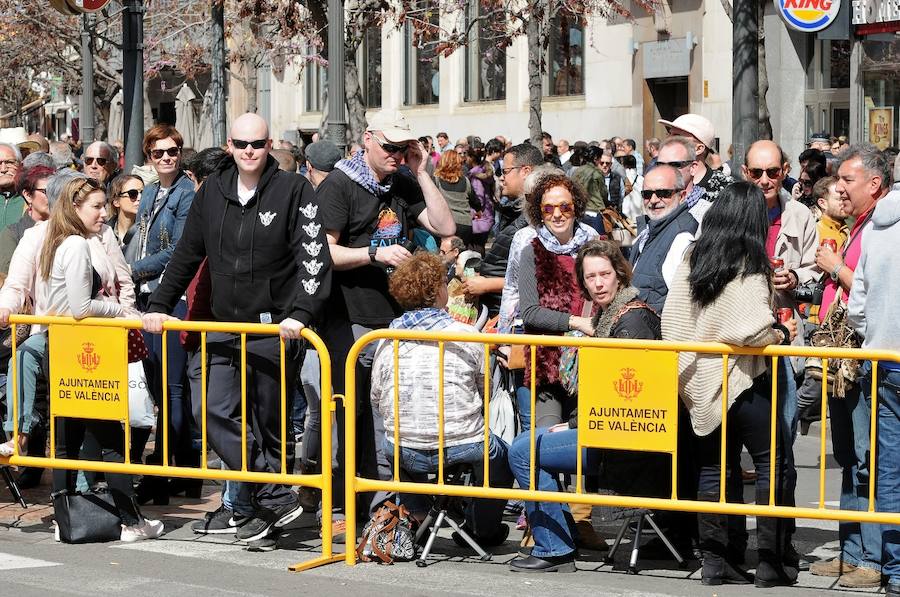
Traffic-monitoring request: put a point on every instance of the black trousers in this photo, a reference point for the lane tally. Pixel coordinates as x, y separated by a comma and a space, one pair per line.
749, 425
223, 406
110, 437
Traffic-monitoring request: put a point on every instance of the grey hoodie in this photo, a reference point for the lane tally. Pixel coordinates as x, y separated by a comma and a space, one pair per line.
874, 295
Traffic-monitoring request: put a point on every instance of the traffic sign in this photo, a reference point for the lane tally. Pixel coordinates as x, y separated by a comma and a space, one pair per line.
88, 5
77, 7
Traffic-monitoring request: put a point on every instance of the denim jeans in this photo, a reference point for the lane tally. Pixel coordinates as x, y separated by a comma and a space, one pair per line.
482, 516
236, 496
850, 423
551, 524
888, 486
30, 360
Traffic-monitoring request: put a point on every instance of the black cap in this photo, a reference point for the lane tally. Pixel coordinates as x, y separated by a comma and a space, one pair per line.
323, 155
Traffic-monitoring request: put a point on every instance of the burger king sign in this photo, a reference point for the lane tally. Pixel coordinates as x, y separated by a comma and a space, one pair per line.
808, 15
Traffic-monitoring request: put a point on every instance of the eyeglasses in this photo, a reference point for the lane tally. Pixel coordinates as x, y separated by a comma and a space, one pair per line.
806, 183
678, 165
157, 154
566, 209
8, 163
756, 173
661, 193
44, 191
132, 194
241, 144
390, 147
606, 162
505, 171
89, 161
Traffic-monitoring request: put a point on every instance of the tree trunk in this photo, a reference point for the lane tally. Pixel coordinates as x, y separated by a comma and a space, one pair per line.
251, 85
765, 123
535, 77
356, 106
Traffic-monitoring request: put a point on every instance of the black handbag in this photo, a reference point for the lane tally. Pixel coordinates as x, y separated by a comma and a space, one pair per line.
86, 517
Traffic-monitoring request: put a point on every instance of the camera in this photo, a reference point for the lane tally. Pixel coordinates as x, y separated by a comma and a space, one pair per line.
811, 293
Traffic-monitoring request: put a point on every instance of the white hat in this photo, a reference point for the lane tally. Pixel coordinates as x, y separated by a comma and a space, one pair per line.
392, 124
697, 126
18, 137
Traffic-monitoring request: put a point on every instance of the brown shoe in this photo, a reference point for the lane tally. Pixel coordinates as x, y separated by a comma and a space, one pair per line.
587, 538
833, 568
861, 578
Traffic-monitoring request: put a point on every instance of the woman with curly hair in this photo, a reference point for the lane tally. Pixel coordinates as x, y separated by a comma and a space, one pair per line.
550, 298
419, 285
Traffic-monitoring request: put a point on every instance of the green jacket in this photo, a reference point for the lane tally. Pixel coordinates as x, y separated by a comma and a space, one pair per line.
11, 209
592, 180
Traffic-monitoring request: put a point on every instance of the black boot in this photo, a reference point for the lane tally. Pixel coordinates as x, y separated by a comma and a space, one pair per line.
713, 534
771, 570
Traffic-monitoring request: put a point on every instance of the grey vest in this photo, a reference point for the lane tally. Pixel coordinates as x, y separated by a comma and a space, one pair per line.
648, 278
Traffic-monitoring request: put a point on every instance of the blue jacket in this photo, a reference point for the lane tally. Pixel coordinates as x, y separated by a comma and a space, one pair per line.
161, 230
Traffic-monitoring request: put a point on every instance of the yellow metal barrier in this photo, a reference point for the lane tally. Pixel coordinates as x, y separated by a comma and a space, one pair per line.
628, 349
322, 481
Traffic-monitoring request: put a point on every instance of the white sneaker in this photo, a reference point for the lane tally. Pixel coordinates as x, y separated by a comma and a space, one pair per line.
146, 529
56, 531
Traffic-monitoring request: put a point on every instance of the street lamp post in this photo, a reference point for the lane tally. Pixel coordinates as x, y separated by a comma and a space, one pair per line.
133, 81
337, 116
86, 118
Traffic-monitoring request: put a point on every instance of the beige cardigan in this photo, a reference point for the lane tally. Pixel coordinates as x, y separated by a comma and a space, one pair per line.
742, 316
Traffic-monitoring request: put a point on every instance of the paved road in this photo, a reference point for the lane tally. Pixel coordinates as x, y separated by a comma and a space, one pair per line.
181, 563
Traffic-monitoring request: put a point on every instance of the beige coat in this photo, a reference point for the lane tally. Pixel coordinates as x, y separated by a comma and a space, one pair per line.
742, 316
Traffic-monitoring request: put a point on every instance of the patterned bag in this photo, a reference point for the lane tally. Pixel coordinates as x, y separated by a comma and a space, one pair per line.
568, 357
388, 536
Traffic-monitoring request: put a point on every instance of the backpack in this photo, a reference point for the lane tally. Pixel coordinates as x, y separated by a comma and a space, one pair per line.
388, 536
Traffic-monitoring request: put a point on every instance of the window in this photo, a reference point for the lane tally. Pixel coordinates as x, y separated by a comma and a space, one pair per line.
371, 61
314, 86
565, 61
485, 63
836, 64
423, 80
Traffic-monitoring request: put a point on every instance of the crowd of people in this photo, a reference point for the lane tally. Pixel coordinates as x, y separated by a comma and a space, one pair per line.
412, 232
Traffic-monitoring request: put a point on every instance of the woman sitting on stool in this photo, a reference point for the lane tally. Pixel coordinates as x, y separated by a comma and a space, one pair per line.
605, 277
419, 286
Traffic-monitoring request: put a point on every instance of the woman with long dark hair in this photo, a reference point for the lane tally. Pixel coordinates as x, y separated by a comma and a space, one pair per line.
723, 292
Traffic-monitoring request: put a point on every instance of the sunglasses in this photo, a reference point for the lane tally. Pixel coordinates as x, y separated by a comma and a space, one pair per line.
157, 154
566, 209
678, 165
772, 173
391, 147
89, 161
661, 193
81, 192
241, 144
606, 163
132, 194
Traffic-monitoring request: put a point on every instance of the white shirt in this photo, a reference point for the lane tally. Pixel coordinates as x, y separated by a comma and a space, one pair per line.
245, 196
68, 290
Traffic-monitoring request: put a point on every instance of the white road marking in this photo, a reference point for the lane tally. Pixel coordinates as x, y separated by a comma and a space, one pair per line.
9, 561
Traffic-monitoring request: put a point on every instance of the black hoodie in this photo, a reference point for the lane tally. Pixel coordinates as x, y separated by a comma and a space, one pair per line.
268, 260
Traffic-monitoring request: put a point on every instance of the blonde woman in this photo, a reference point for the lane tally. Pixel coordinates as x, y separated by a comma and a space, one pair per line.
75, 286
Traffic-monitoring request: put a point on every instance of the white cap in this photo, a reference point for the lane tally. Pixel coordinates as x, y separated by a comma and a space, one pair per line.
392, 124
695, 125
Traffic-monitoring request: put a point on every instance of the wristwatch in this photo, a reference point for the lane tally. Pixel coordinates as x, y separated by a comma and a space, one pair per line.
372, 250
837, 270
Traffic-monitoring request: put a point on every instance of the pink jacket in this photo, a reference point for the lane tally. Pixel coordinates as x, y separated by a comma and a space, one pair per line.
24, 281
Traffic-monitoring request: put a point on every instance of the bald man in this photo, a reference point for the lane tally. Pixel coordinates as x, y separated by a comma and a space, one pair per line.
261, 231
